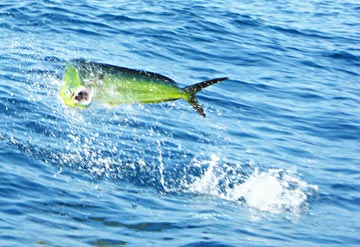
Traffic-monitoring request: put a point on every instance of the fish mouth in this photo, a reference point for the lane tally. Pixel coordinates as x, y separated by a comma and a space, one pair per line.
83, 96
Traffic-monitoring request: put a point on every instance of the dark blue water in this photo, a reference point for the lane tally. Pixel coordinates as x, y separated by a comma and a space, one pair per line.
275, 163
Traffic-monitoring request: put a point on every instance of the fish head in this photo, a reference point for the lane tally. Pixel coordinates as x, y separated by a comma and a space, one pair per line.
73, 92
80, 97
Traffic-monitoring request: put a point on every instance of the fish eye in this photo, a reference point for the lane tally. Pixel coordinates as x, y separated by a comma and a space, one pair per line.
82, 96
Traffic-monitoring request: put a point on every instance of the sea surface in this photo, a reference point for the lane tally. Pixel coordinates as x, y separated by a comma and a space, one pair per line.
275, 163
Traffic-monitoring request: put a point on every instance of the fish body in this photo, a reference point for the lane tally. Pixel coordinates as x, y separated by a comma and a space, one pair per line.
85, 82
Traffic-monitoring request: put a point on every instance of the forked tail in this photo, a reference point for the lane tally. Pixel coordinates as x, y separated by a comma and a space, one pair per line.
192, 90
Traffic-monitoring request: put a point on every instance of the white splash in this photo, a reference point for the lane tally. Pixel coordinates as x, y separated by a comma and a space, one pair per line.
272, 191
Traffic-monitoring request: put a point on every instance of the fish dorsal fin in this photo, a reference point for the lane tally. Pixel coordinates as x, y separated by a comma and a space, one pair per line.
81, 63
158, 77
154, 76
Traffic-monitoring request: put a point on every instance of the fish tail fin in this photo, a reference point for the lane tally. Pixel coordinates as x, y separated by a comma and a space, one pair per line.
192, 90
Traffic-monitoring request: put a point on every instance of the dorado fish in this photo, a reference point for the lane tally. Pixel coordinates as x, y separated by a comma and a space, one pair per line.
85, 82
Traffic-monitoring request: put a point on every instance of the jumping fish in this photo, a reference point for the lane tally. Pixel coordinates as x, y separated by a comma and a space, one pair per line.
85, 82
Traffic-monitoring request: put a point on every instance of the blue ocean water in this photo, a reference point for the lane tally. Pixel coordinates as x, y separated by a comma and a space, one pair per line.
275, 163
